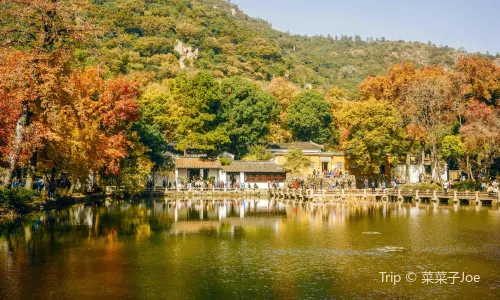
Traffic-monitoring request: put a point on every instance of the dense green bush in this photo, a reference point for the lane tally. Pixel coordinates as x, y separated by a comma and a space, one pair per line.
225, 161
425, 187
468, 186
19, 198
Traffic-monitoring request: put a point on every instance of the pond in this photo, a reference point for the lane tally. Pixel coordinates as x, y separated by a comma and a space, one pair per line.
235, 249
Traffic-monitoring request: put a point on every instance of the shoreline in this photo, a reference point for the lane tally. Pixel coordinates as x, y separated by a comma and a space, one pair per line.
8, 215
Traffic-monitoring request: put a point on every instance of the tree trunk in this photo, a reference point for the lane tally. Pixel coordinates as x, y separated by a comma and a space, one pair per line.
22, 122
408, 163
31, 170
469, 168
71, 188
437, 172
422, 161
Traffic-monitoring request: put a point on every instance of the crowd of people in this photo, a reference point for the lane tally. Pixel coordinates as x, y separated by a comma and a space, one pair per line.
42, 185
383, 184
205, 184
323, 183
331, 173
490, 187
485, 186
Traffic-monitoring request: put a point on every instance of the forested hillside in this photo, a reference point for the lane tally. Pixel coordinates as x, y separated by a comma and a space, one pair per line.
102, 88
140, 38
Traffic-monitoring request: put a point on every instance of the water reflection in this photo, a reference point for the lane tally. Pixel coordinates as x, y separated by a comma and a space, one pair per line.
245, 248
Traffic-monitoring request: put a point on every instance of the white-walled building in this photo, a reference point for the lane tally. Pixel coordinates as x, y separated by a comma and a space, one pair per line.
197, 168
248, 172
417, 171
255, 172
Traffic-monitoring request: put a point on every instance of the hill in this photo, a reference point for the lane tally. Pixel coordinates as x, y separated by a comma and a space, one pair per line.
142, 38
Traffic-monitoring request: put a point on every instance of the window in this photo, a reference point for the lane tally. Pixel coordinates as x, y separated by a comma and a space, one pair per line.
313, 166
264, 177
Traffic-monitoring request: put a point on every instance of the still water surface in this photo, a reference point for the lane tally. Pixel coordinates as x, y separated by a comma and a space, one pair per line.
250, 249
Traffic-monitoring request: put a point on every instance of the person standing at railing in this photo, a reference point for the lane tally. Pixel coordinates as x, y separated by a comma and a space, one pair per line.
490, 189
445, 186
52, 189
494, 184
366, 183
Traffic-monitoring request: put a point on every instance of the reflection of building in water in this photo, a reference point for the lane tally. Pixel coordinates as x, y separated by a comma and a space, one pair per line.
228, 214
222, 211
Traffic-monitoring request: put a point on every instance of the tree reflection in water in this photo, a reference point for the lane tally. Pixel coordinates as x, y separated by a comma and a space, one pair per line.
245, 248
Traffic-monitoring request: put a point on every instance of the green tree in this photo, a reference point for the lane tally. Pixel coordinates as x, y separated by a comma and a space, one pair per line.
154, 140
200, 100
296, 160
452, 147
185, 111
309, 118
373, 132
246, 113
258, 152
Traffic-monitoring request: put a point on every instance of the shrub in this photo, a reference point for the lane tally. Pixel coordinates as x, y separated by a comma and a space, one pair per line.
425, 186
225, 161
468, 186
18, 198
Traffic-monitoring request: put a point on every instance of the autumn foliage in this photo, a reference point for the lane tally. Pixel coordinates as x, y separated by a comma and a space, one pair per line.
92, 134
432, 101
77, 122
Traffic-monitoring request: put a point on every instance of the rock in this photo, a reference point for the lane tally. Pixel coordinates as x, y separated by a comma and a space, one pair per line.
185, 52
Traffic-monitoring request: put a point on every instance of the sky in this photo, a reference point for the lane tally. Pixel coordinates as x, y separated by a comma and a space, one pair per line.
472, 25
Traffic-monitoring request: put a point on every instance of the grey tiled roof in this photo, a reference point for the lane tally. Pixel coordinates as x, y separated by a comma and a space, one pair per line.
300, 145
254, 167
